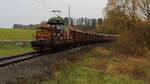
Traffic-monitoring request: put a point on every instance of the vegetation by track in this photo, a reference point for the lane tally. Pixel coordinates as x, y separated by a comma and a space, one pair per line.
8, 50
96, 65
37, 67
99, 65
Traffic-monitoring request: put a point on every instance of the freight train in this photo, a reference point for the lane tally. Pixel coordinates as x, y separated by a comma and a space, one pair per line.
56, 35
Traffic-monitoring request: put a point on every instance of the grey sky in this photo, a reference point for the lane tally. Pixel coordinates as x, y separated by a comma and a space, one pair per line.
29, 12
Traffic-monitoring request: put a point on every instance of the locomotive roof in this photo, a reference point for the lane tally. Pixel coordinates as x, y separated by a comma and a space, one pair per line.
56, 21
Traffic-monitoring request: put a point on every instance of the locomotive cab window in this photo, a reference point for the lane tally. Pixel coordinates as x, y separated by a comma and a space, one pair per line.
56, 26
60, 26
56, 23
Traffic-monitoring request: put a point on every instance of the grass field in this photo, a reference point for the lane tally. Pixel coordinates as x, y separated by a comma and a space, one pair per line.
16, 34
8, 50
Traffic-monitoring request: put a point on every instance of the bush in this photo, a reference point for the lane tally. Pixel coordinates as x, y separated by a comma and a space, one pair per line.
136, 41
131, 43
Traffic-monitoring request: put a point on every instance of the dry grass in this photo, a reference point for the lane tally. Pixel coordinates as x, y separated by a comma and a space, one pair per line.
135, 68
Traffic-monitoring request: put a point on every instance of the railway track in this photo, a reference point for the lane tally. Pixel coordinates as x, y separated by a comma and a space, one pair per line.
38, 64
11, 60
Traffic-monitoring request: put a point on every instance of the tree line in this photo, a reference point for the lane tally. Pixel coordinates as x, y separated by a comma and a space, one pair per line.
131, 20
80, 23
83, 23
21, 26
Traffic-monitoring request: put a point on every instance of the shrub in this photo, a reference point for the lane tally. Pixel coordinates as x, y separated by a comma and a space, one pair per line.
135, 41
131, 42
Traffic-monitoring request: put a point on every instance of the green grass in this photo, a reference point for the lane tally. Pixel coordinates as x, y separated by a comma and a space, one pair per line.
9, 50
91, 68
16, 34
83, 75
77, 75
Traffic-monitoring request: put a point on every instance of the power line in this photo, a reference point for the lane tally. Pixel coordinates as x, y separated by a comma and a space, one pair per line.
43, 3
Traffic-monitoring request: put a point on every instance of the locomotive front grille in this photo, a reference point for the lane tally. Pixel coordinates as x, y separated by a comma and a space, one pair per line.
41, 43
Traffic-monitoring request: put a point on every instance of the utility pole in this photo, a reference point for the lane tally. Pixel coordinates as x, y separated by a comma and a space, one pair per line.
69, 16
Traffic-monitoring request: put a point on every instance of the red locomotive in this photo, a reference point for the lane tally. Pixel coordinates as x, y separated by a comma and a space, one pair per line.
55, 35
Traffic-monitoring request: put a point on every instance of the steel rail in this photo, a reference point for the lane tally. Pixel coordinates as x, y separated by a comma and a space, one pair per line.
6, 61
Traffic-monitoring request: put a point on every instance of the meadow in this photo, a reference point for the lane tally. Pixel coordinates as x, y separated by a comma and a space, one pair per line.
8, 49
16, 34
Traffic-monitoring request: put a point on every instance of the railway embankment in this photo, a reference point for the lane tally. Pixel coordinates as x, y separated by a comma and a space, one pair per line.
34, 68
100, 65
97, 64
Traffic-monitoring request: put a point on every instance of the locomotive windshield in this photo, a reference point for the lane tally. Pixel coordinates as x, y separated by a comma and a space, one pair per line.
56, 22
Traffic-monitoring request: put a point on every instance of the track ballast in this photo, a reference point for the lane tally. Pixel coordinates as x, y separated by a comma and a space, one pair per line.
7, 61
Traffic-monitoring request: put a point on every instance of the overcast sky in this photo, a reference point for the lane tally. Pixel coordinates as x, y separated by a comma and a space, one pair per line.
30, 12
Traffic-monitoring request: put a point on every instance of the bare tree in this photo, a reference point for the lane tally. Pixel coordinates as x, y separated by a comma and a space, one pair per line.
145, 9
134, 8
